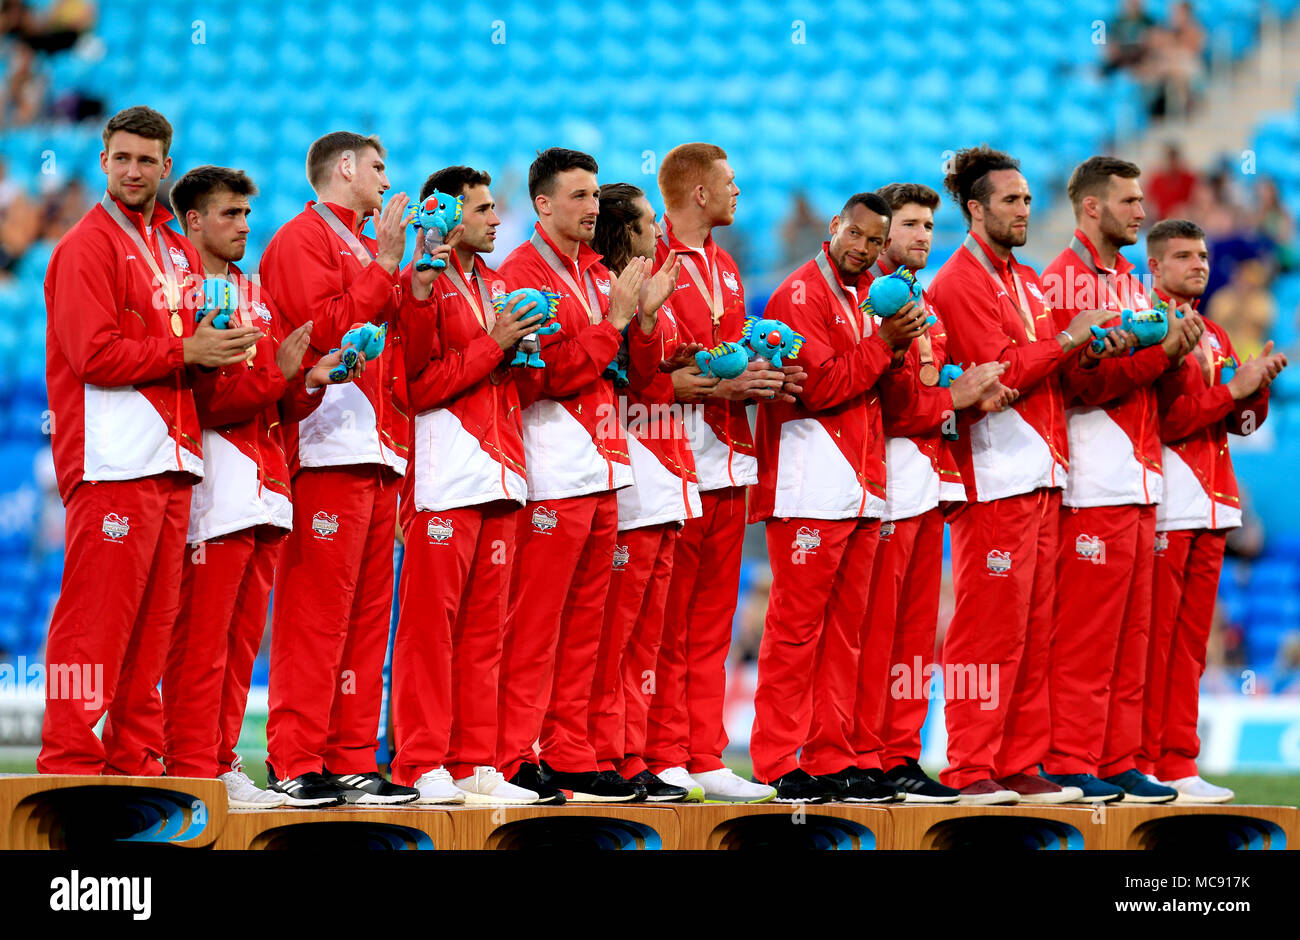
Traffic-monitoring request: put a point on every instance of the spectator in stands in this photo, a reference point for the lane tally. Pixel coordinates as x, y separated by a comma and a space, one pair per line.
23, 100
1170, 186
61, 208
57, 29
19, 227
802, 232
1127, 46
1276, 224
1175, 63
1245, 307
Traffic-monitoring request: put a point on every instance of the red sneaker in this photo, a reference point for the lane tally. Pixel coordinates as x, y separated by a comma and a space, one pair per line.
1034, 789
987, 793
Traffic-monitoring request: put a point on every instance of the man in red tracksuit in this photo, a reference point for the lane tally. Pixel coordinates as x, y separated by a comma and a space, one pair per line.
1198, 409
822, 526
650, 515
686, 735
1103, 592
460, 500
1013, 464
333, 591
921, 477
577, 457
120, 298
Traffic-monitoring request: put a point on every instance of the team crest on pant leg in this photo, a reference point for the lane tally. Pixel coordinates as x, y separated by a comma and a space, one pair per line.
1162, 542
116, 527
999, 563
886, 530
1090, 548
324, 525
543, 519
621, 556
807, 539
440, 530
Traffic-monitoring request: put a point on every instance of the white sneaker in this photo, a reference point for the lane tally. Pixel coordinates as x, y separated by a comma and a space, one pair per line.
678, 777
436, 786
487, 785
724, 786
242, 793
1195, 789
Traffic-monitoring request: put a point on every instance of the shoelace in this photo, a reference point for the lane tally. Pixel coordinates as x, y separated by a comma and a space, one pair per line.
485, 777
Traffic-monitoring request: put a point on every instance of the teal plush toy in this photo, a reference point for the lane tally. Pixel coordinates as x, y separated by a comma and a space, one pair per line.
366, 339
947, 375
725, 360
545, 303
219, 295
889, 294
435, 217
771, 340
1149, 326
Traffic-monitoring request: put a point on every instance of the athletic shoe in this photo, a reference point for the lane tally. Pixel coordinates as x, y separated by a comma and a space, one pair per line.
309, 791
916, 786
987, 793
488, 785
436, 788
853, 785
798, 786
678, 777
1138, 789
591, 786
530, 777
723, 786
242, 793
1195, 789
371, 789
1093, 790
1034, 789
655, 790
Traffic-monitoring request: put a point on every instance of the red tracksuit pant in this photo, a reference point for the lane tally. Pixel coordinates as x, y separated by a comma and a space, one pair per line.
808, 661
455, 588
686, 727
1099, 639
626, 680
902, 617
997, 647
333, 602
553, 631
225, 589
1186, 586
108, 637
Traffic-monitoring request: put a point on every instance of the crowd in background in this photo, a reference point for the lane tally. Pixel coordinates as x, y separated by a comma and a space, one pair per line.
1168, 58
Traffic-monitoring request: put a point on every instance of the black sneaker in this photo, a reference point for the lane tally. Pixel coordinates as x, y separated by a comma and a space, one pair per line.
372, 789
530, 777
308, 791
854, 785
591, 786
655, 790
798, 786
917, 787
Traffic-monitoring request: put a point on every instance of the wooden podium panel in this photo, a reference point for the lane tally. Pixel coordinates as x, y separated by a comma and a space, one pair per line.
993, 828
618, 826
339, 829
1192, 827
735, 826
72, 812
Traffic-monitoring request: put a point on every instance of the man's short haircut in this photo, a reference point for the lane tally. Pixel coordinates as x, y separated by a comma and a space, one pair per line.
323, 154
907, 194
968, 178
196, 188
550, 164
454, 180
619, 215
1163, 231
685, 167
1092, 178
142, 121
874, 203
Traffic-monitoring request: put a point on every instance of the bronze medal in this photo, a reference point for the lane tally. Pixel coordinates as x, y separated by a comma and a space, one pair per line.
178, 327
929, 375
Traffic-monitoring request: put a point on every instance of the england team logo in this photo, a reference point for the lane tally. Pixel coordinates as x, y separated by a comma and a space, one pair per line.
261, 312
999, 563
886, 530
440, 530
602, 285
116, 527
807, 540
543, 519
1162, 542
178, 258
729, 279
324, 524
1090, 548
621, 556
1214, 343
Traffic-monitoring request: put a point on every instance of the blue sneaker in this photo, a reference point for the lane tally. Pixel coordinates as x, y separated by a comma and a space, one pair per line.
1094, 790
1138, 789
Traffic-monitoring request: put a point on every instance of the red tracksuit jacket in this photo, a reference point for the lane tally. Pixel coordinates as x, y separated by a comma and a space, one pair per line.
246, 474
719, 431
316, 277
1025, 447
823, 456
1111, 415
118, 386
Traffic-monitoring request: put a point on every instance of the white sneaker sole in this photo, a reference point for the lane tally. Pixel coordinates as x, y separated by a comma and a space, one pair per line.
456, 800
372, 799
327, 802
1185, 798
1052, 799
918, 798
487, 799
580, 797
720, 798
990, 799
1130, 798
246, 804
